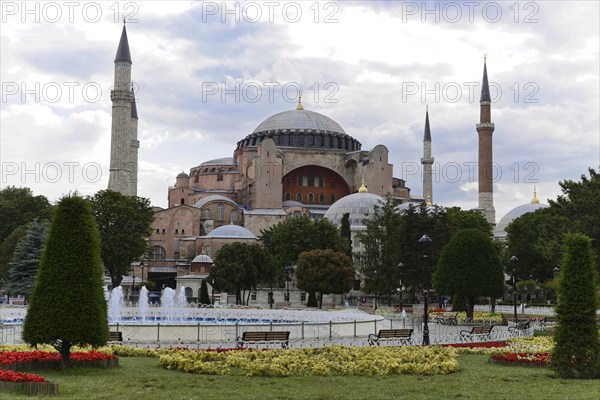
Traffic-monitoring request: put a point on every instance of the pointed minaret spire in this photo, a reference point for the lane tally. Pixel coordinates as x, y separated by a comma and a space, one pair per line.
535, 200
485, 129
123, 53
485, 86
427, 161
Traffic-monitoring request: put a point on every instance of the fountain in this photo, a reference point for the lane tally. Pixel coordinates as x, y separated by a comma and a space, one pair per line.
115, 303
143, 303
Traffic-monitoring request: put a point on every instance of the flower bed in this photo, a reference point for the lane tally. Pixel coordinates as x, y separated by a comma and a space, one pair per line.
31, 384
327, 361
37, 359
541, 360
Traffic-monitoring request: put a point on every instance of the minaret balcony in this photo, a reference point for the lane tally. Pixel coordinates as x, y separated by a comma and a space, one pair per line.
486, 125
427, 160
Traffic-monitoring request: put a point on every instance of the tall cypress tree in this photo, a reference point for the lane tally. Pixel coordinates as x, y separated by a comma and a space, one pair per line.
67, 304
204, 297
346, 234
26, 259
577, 350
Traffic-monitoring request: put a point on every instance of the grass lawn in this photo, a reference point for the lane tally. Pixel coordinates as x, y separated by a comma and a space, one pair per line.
143, 378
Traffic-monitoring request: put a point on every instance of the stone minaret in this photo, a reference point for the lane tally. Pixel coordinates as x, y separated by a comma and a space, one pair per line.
123, 144
485, 129
427, 162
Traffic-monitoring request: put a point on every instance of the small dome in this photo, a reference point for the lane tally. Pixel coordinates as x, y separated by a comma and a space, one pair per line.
219, 161
360, 206
182, 175
231, 232
215, 197
202, 258
500, 231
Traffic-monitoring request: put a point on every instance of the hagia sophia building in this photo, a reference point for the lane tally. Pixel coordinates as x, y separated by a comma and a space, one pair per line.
296, 162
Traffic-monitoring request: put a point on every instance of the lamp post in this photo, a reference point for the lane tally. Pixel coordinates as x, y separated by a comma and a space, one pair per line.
375, 281
142, 267
212, 284
425, 241
400, 288
513, 260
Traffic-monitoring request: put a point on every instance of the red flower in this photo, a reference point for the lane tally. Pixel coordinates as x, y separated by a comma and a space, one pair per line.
12, 376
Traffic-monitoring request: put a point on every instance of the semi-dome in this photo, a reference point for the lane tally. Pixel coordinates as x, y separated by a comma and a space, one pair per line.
202, 258
182, 175
231, 232
301, 128
360, 206
500, 230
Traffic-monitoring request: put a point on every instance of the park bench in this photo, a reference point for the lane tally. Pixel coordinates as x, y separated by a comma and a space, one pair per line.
447, 318
520, 327
264, 338
115, 336
402, 336
477, 332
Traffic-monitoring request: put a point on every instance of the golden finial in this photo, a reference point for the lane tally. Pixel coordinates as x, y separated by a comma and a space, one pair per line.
429, 200
535, 199
363, 188
299, 106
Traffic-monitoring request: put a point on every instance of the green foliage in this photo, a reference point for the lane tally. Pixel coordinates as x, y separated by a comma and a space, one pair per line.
19, 206
7, 249
577, 350
240, 267
67, 305
536, 238
469, 266
580, 204
148, 285
458, 303
26, 259
124, 223
286, 240
324, 271
346, 233
204, 297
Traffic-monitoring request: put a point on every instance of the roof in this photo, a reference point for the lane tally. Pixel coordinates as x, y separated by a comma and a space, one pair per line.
485, 87
500, 230
231, 232
427, 134
360, 206
215, 197
301, 120
202, 258
123, 50
220, 161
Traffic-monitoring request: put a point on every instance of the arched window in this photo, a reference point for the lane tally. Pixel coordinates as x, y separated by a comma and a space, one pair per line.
299, 197
189, 292
158, 253
233, 216
206, 214
321, 198
182, 200
207, 250
311, 198
220, 212
332, 198
288, 196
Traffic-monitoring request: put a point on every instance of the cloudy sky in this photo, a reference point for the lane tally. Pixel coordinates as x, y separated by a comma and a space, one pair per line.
207, 73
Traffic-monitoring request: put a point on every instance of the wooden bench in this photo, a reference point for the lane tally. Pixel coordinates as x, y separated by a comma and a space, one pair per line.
402, 336
115, 336
521, 327
447, 317
264, 337
480, 332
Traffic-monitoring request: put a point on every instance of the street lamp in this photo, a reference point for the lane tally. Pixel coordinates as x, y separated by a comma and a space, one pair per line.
212, 284
513, 260
425, 241
400, 288
375, 281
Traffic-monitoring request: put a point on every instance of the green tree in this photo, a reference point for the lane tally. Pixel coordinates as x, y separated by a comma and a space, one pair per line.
469, 266
346, 234
239, 267
286, 240
26, 259
580, 204
7, 249
19, 206
577, 350
67, 304
324, 271
536, 239
204, 297
124, 223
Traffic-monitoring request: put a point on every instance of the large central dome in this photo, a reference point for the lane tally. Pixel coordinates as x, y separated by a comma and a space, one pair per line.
301, 128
